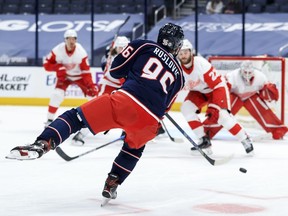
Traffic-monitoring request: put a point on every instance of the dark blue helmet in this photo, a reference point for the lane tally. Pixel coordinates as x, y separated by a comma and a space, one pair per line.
171, 37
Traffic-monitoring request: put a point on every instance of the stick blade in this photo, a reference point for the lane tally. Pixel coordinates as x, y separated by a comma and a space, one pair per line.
223, 160
63, 155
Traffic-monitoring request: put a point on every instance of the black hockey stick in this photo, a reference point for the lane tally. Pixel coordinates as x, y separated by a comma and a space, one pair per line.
66, 157
210, 160
174, 139
118, 30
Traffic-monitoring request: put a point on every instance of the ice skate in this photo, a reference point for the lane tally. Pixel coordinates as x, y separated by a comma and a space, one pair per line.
78, 139
30, 152
247, 143
110, 187
204, 144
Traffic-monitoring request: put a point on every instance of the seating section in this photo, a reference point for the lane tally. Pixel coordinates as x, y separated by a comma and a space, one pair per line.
75, 6
266, 6
118, 6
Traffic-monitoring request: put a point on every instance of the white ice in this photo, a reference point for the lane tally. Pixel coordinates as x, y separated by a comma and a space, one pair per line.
168, 180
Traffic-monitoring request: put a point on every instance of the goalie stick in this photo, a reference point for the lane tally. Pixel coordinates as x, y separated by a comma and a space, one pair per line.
66, 157
210, 160
174, 139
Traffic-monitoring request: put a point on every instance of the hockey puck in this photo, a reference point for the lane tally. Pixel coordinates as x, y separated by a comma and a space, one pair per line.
242, 170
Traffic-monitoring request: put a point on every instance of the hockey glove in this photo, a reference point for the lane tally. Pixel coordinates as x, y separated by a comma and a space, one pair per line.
91, 88
92, 91
212, 114
269, 92
61, 73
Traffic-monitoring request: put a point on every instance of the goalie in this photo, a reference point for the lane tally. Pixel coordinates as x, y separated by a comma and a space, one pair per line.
250, 88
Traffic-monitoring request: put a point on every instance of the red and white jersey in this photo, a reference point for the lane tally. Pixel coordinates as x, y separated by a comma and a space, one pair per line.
202, 76
241, 88
75, 62
107, 79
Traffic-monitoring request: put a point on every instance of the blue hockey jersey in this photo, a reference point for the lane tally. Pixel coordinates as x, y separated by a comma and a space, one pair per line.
152, 74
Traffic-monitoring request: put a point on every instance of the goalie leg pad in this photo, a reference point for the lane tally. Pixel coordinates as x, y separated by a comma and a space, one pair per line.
262, 113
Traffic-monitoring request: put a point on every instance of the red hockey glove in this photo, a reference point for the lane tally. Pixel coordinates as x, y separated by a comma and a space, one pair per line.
61, 72
92, 90
212, 114
269, 92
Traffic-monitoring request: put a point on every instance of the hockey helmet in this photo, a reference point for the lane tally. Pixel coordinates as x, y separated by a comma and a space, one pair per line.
70, 33
171, 37
247, 71
121, 41
187, 45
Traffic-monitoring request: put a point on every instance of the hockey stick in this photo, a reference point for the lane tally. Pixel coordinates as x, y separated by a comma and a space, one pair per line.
210, 160
177, 140
66, 157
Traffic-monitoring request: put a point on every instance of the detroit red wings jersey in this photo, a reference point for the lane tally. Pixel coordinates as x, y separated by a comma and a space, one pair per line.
107, 79
242, 89
76, 62
201, 76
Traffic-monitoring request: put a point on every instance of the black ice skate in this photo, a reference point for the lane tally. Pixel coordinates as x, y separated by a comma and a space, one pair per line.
109, 192
78, 139
204, 144
31, 152
247, 143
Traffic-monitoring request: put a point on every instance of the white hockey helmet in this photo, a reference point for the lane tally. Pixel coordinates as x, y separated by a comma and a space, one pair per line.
187, 45
247, 71
70, 33
121, 41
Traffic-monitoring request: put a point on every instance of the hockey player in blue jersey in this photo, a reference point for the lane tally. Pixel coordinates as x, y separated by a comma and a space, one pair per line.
153, 80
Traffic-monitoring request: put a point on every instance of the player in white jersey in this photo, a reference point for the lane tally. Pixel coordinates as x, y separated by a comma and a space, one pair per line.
70, 62
107, 84
250, 88
207, 87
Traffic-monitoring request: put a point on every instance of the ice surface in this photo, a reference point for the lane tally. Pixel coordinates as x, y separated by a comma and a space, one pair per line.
168, 180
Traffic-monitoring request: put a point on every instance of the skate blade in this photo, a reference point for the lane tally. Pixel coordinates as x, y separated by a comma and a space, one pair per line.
105, 201
16, 155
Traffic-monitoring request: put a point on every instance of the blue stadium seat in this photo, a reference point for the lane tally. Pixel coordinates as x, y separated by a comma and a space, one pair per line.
140, 8
27, 9
10, 9
77, 8
260, 2
45, 9
111, 9
61, 9
272, 8
17, 2
283, 8
254, 8
281, 2
127, 9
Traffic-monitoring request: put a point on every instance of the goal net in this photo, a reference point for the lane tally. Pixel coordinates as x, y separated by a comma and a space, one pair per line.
275, 68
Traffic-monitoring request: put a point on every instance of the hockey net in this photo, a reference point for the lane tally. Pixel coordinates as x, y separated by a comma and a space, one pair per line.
275, 68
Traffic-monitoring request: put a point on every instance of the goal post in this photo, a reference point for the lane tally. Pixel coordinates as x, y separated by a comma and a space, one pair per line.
275, 68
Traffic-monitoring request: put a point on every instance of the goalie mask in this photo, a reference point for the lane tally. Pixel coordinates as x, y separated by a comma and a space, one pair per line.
171, 37
247, 71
